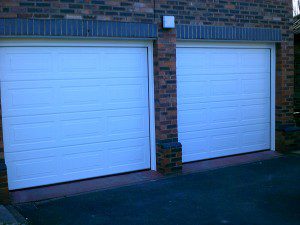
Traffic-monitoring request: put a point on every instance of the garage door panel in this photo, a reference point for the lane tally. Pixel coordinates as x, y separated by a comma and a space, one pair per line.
222, 58
70, 96
256, 87
207, 71
237, 61
188, 129
77, 161
225, 141
129, 153
36, 132
197, 89
208, 57
131, 123
57, 96
221, 98
28, 169
30, 61
20, 98
46, 97
192, 117
224, 87
131, 62
81, 130
24, 172
220, 141
209, 121
72, 113
78, 60
19, 133
189, 145
83, 160
226, 130
222, 117
214, 154
211, 141
44, 63
127, 93
255, 111
258, 58
255, 138
223, 101
107, 154
81, 163
219, 90
183, 59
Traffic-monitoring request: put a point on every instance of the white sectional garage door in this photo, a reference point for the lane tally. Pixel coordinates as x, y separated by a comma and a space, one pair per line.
223, 100
71, 113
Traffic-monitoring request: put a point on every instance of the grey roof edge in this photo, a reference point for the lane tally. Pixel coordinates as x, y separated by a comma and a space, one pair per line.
230, 33
19, 27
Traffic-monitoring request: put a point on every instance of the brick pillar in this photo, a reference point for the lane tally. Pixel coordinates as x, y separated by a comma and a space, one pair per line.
4, 194
287, 134
297, 77
169, 151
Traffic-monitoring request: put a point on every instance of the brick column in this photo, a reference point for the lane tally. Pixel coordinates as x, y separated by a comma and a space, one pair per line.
287, 134
297, 77
169, 151
4, 194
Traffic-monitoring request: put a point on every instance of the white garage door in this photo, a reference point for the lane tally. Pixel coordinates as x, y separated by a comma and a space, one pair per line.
73, 112
223, 100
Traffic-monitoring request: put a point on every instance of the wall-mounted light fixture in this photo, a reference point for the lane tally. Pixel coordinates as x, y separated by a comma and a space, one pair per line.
168, 22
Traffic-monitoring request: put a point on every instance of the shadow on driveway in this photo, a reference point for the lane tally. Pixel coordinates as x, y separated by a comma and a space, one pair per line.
266, 192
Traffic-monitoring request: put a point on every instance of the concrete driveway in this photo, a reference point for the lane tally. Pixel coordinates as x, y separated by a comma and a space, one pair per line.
266, 192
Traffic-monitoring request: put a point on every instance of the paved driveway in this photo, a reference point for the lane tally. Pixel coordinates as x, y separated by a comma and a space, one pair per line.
266, 192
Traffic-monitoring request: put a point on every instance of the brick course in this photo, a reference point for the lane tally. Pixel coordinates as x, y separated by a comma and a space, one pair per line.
297, 78
275, 14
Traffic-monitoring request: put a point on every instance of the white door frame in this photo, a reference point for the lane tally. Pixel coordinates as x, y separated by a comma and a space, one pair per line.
271, 46
22, 42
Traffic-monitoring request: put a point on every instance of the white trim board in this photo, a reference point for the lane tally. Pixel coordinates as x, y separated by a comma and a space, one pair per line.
72, 43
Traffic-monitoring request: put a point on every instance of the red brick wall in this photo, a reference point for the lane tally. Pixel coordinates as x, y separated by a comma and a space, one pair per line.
169, 158
165, 85
249, 13
130, 11
297, 77
243, 13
